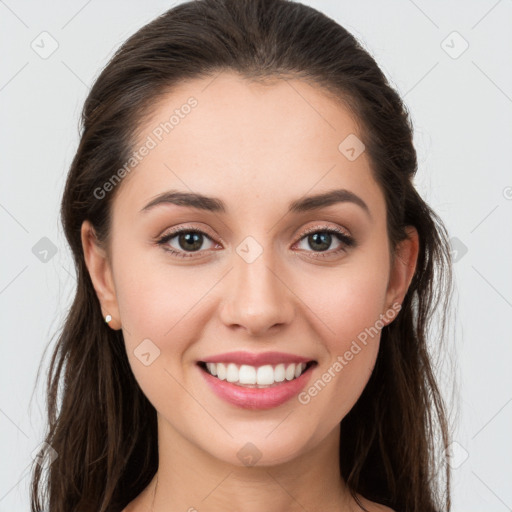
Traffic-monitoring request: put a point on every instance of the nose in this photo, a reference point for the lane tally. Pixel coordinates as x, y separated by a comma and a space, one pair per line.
256, 297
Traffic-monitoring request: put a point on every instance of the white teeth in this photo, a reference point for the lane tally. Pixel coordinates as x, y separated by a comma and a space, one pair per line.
279, 373
247, 374
252, 376
232, 373
212, 368
265, 375
221, 370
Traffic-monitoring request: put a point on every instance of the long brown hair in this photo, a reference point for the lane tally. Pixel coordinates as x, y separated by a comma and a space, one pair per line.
100, 424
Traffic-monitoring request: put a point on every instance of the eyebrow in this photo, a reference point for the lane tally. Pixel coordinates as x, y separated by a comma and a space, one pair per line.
215, 205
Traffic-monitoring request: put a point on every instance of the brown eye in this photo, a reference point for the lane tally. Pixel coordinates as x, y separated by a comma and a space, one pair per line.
191, 240
187, 240
319, 240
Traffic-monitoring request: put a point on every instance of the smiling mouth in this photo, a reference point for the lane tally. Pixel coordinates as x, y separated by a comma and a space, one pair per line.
256, 377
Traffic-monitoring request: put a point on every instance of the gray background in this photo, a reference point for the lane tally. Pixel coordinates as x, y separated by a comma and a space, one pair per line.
461, 106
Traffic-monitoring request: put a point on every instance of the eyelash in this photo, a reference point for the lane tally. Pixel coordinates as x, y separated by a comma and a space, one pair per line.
345, 239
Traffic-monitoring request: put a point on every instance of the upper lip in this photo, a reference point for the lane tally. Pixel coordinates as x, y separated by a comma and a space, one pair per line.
256, 359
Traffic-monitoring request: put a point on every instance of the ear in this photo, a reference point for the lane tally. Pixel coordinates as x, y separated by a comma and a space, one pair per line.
402, 268
100, 271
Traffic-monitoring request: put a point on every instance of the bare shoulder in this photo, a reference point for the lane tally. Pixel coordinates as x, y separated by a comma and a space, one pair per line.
378, 507
372, 506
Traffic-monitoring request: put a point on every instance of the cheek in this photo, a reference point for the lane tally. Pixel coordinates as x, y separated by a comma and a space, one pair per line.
157, 311
357, 306
155, 299
349, 311
347, 300
158, 306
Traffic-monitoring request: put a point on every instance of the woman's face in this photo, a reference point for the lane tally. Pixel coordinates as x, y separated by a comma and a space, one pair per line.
263, 275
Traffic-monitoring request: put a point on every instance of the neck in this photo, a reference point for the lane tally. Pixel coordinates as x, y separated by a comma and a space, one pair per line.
190, 479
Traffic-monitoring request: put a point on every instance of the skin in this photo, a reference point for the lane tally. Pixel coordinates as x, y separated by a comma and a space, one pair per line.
257, 147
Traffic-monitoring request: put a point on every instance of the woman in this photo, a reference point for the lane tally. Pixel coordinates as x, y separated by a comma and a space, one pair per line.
256, 274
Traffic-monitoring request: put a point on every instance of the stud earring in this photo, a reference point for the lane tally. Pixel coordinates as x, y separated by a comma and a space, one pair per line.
108, 318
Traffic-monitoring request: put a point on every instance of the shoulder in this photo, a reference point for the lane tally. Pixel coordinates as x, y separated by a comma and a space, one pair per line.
377, 507
372, 506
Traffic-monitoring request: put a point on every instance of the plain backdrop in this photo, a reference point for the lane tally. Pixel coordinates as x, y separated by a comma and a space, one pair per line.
450, 61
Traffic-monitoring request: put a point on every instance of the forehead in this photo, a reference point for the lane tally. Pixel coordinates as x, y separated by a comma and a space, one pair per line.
246, 142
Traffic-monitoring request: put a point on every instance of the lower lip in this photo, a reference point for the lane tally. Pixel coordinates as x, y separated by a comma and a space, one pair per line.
257, 398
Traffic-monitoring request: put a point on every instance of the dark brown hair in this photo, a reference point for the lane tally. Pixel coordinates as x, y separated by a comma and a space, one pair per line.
100, 423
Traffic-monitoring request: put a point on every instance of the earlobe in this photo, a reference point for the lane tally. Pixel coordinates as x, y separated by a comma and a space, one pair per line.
100, 272
403, 268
